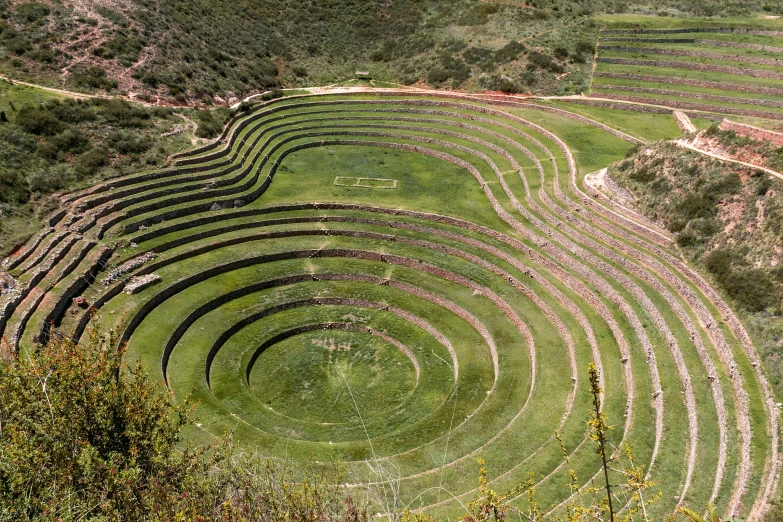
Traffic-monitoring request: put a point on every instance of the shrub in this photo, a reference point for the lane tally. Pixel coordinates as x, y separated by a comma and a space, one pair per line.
687, 238
643, 174
508, 52
725, 186
71, 140
695, 206
542, 61
129, 143
501, 83
584, 47
476, 55
122, 113
88, 163
82, 429
18, 45
71, 111
719, 262
208, 126
45, 181
94, 77
31, 11
561, 53
750, 288
13, 187
38, 121
272, 95
113, 16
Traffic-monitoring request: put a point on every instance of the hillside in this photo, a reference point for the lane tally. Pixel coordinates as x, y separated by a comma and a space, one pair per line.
201, 51
727, 218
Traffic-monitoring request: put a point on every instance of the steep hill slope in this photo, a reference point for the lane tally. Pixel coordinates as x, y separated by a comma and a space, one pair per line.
728, 219
213, 51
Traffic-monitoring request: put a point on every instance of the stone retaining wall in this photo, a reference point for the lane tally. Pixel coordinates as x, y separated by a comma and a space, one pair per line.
695, 95
756, 133
739, 71
693, 83
697, 54
694, 106
718, 30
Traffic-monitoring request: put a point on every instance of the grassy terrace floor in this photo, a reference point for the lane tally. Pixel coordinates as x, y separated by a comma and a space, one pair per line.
706, 65
423, 326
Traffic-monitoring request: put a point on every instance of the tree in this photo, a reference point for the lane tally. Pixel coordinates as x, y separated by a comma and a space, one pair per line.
84, 433
84, 436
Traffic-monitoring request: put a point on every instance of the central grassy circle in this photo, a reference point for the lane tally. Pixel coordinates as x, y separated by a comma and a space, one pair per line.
327, 375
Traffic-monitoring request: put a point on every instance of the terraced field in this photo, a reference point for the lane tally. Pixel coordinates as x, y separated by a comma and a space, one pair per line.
734, 71
412, 326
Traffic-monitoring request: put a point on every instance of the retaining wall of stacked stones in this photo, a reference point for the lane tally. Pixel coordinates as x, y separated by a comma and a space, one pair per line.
714, 43
757, 133
418, 265
754, 73
43, 250
247, 120
640, 108
317, 301
685, 94
347, 219
36, 277
693, 83
722, 347
695, 54
577, 285
10, 263
351, 327
719, 30
694, 106
73, 290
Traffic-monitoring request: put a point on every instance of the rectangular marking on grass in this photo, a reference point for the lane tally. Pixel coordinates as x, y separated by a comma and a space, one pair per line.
377, 183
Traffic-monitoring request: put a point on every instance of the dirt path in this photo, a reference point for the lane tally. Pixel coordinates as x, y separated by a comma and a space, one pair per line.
62, 92
684, 122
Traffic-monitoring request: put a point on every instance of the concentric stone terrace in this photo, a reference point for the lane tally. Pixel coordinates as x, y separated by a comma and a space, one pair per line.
417, 325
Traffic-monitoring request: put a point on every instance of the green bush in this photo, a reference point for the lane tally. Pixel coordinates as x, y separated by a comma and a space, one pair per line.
88, 163
687, 239
750, 288
643, 174
13, 187
695, 205
719, 262
95, 78
501, 83
46, 181
129, 143
18, 45
31, 11
122, 113
87, 437
71, 141
584, 47
209, 125
38, 121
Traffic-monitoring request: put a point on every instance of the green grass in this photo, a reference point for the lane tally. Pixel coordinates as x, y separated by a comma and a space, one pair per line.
346, 395
646, 126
